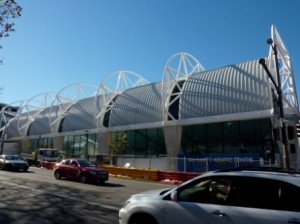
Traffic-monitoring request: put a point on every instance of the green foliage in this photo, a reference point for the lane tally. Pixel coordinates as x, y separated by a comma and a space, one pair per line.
9, 10
117, 143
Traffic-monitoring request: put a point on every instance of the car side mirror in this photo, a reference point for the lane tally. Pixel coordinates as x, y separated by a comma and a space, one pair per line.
174, 195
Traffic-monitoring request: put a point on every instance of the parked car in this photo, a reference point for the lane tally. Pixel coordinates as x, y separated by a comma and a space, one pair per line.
240, 196
13, 162
80, 169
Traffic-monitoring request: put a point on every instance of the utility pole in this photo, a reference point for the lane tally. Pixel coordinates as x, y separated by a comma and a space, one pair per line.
285, 154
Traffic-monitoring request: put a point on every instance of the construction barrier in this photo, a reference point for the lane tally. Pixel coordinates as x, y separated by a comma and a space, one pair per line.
48, 165
155, 175
132, 172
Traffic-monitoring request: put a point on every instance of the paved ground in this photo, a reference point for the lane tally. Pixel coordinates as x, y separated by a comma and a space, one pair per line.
20, 204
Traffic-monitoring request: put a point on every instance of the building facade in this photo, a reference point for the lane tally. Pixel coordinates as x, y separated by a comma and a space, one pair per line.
192, 120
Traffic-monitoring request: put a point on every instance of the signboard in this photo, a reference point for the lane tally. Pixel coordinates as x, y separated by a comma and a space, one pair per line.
210, 162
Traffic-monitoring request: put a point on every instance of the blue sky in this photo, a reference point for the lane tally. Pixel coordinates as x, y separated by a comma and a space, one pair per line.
61, 42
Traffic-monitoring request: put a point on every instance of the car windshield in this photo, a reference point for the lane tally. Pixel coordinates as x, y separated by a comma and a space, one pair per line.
51, 153
12, 158
86, 163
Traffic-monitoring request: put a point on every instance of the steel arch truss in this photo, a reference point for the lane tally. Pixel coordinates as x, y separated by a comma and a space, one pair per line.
66, 98
7, 116
289, 95
31, 109
178, 68
110, 87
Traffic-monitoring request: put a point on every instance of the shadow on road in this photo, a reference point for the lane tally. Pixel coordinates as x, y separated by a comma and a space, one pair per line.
51, 204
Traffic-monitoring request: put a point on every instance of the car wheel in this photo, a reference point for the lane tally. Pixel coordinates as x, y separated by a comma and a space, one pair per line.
38, 164
57, 175
82, 178
101, 181
7, 167
142, 219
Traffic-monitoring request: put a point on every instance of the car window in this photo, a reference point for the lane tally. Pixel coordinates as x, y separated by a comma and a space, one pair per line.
74, 163
213, 191
12, 157
66, 162
255, 193
289, 197
86, 163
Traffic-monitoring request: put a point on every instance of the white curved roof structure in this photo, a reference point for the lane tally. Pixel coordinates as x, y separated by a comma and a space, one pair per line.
110, 88
137, 105
232, 89
33, 110
178, 68
8, 113
80, 116
9, 120
67, 107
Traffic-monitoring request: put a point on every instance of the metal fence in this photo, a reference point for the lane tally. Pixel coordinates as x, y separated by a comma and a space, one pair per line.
188, 164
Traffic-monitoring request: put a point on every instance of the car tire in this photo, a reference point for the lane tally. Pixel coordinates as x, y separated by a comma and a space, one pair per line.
142, 219
7, 167
38, 164
82, 178
101, 181
57, 175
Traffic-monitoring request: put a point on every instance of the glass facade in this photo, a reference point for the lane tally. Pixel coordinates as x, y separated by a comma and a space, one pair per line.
81, 145
42, 143
146, 142
251, 136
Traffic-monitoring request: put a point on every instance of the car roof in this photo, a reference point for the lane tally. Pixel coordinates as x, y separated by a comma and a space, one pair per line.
75, 159
10, 155
290, 176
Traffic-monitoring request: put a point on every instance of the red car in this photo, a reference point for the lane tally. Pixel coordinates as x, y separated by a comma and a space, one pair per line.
80, 169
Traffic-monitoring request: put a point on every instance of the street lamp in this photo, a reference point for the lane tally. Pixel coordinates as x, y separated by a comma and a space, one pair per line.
277, 85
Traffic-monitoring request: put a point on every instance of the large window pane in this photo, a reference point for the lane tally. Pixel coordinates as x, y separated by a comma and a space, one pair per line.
231, 137
141, 143
248, 136
161, 146
131, 142
214, 138
146, 142
194, 139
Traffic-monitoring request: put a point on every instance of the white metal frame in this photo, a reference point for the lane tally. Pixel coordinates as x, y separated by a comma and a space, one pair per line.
66, 98
31, 109
178, 68
7, 116
112, 85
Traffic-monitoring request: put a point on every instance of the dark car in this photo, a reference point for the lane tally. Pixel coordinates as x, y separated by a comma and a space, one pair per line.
80, 169
13, 162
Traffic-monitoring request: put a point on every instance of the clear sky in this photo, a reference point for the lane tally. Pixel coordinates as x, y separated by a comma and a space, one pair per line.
61, 42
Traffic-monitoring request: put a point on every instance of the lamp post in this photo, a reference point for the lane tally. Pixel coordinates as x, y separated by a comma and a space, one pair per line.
277, 85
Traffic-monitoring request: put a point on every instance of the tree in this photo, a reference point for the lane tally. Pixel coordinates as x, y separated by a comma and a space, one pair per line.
117, 143
9, 10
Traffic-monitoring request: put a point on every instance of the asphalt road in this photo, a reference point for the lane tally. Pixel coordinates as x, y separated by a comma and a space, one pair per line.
37, 197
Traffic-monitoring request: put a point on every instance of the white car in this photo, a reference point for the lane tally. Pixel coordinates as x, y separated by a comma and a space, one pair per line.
240, 196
